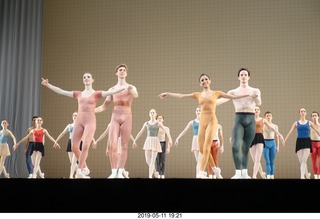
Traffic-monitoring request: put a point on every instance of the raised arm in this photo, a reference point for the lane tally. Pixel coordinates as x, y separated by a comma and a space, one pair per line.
45, 82
176, 95
189, 125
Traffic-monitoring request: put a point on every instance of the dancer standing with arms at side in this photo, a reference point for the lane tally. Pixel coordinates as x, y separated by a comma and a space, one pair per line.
244, 128
5, 134
85, 124
121, 121
194, 125
303, 141
208, 120
72, 157
272, 145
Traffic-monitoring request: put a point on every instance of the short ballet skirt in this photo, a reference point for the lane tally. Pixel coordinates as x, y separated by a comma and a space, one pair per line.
38, 146
152, 143
258, 139
302, 143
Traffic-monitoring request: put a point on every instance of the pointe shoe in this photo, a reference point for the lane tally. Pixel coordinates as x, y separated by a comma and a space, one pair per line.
156, 174
203, 175
126, 174
217, 172
7, 175
308, 175
86, 171
80, 175
41, 175
210, 176
263, 175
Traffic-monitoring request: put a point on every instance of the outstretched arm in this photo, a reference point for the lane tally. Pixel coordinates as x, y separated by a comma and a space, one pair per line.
114, 91
102, 136
290, 132
274, 130
231, 96
58, 90
221, 140
61, 135
104, 106
189, 125
13, 137
51, 138
22, 140
134, 145
176, 95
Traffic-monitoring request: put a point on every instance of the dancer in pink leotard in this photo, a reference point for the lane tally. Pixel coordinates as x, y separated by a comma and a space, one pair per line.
121, 121
85, 123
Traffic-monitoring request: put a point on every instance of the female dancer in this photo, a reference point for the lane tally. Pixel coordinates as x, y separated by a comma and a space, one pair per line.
152, 143
5, 134
258, 143
121, 121
208, 120
194, 124
303, 142
85, 123
72, 158
38, 147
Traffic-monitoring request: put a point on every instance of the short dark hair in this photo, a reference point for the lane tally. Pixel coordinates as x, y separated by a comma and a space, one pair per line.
243, 69
34, 117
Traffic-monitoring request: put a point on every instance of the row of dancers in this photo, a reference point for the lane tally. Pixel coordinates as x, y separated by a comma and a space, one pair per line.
246, 131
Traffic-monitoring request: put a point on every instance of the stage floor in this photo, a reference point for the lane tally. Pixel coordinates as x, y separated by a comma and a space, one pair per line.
160, 195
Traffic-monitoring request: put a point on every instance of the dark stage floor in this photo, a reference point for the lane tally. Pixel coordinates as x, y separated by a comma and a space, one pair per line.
153, 195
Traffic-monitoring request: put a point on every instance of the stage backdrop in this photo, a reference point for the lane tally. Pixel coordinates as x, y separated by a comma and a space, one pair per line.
167, 45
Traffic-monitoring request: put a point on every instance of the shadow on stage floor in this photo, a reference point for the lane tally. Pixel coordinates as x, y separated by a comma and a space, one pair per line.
155, 195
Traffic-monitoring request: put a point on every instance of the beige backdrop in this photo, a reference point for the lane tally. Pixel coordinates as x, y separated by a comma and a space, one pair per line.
167, 45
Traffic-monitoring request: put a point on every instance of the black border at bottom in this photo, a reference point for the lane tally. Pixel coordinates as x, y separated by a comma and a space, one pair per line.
165, 195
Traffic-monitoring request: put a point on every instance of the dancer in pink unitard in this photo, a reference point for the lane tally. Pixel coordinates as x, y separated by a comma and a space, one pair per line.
85, 123
121, 121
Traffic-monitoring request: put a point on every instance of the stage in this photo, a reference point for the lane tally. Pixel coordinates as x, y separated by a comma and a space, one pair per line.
159, 195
